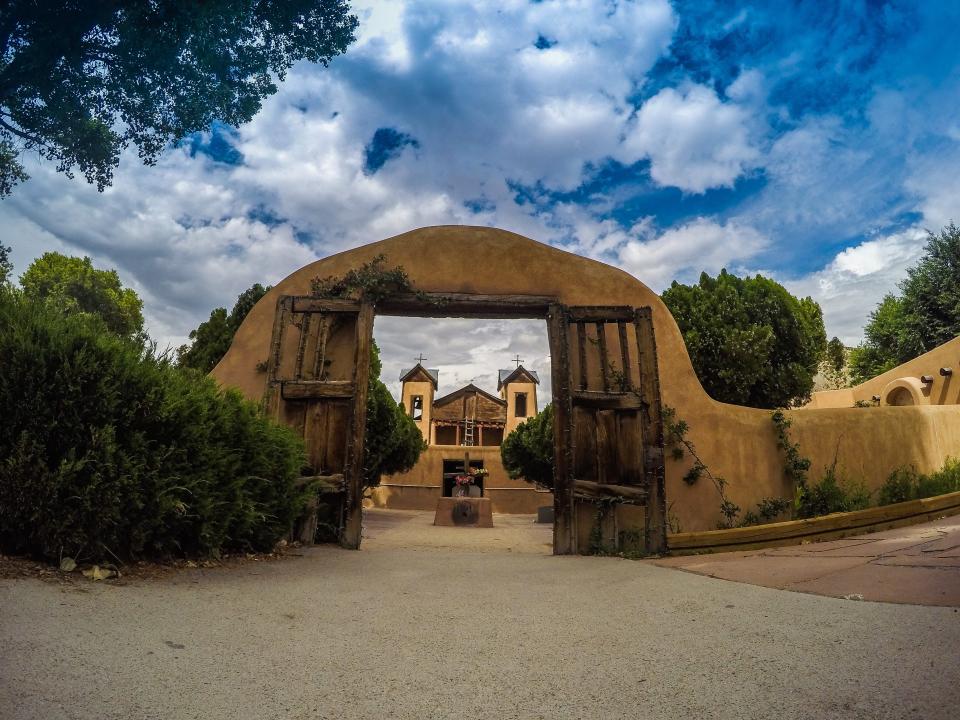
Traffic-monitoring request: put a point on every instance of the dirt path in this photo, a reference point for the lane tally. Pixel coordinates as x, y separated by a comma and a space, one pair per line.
410, 630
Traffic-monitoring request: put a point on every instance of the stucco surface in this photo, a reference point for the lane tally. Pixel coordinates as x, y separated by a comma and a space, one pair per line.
735, 442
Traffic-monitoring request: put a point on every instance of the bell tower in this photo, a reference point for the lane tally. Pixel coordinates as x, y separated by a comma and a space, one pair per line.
418, 387
519, 388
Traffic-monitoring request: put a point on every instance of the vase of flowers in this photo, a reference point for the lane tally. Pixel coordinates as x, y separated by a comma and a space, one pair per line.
466, 480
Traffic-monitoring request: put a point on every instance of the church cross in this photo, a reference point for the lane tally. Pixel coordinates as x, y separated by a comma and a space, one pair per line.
517, 360
420, 359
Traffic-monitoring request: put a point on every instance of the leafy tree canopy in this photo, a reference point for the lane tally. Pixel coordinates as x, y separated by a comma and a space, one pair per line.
6, 267
81, 80
527, 452
212, 338
751, 342
925, 314
75, 286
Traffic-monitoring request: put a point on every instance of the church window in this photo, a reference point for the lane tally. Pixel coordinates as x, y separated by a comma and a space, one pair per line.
416, 407
520, 405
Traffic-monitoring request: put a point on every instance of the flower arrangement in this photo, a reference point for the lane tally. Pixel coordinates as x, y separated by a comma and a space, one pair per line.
471, 476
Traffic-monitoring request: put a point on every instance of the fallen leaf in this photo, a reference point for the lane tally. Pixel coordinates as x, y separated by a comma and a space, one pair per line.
99, 573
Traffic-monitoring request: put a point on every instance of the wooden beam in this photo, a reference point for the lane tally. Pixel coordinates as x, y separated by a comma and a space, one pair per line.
439, 304
600, 313
604, 360
302, 346
310, 304
595, 491
316, 389
320, 354
350, 534
564, 530
271, 396
606, 400
582, 354
624, 356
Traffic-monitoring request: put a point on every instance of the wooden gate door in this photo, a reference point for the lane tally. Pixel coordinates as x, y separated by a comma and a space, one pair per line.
608, 428
317, 378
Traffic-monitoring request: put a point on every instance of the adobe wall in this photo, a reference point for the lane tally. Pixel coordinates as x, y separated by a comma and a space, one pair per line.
420, 488
944, 390
736, 442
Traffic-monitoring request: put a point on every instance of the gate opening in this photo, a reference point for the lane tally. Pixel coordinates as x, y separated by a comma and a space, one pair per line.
608, 435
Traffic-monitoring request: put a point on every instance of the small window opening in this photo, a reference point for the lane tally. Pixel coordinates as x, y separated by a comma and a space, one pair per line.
416, 407
520, 405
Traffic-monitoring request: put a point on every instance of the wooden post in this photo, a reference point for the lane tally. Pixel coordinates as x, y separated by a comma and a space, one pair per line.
652, 421
564, 529
353, 498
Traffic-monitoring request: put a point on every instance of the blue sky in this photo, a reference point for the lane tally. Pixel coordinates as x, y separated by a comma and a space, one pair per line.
812, 141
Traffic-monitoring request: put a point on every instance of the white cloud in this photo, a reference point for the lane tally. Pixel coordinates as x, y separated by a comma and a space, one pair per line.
694, 140
685, 251
850, 286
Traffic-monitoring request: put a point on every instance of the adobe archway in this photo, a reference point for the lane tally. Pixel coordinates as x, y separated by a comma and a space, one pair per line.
904, 391
587, 304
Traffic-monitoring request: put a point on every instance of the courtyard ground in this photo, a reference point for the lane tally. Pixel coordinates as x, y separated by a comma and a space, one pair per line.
430, 622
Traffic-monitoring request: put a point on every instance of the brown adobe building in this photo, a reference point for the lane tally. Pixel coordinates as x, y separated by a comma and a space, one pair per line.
464, 426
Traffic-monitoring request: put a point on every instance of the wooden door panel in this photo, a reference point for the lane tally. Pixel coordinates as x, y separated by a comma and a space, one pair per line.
608, 409
317, 374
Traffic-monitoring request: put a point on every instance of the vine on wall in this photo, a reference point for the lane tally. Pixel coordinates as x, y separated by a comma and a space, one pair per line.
796, 466
675, 436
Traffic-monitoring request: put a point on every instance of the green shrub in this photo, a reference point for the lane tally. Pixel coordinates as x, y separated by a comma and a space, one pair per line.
832, 494
768, 510
945, 480
907, 484
900, 486
107, 449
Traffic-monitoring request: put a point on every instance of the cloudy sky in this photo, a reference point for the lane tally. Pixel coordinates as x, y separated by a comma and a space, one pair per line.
813, 143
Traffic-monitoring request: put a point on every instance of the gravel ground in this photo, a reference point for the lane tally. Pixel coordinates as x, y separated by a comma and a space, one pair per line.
410, 627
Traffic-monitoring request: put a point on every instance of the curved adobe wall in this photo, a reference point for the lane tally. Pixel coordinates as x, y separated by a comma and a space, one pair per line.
737, 443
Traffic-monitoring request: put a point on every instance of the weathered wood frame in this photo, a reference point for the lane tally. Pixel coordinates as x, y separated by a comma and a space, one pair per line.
558, 317
350, 482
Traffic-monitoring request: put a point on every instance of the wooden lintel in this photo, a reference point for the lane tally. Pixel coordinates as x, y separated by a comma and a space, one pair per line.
607, 400
308, 304
314, 389
600, 313
439, 304
593, 490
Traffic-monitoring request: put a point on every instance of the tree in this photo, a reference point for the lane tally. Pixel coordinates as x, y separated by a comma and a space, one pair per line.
393, 441
6, 267
925, 314
75, 286
750, 341
212, 338
527, 452
81, 80
833, 367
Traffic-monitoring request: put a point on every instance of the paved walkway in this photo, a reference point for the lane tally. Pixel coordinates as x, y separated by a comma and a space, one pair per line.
428, 628
918, 564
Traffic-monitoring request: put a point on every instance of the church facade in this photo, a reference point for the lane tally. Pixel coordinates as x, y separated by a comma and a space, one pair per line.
463, 429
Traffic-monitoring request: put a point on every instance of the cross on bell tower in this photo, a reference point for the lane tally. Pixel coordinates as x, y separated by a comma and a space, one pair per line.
517, 360
420, 359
